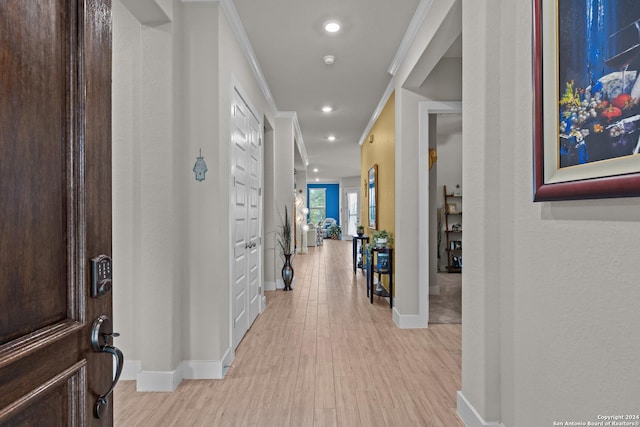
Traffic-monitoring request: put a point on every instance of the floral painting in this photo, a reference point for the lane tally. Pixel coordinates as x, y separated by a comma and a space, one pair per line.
599, 59
586, 56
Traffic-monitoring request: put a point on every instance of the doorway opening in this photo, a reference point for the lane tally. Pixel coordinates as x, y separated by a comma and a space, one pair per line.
352, 202
428, 201
445, 299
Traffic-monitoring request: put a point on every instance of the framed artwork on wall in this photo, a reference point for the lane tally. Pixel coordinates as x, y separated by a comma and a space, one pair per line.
373, 196
586, 69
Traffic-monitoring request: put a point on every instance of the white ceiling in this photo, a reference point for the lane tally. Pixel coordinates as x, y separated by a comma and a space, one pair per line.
289, 42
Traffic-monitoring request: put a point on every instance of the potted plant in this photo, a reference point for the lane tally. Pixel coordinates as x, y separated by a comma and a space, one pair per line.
284, 239
382, 238
360, 230
334, 231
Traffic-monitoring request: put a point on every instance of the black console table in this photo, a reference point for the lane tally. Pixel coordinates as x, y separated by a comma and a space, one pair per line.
359, 249
380, 262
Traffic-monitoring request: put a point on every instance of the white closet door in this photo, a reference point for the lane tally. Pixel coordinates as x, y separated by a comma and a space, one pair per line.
246, 137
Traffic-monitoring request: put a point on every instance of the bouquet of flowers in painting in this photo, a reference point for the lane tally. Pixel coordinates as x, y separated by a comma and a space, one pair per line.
599, 84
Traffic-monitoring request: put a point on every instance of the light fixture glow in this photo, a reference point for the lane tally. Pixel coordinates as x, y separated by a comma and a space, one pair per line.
327, 109
331, 138
317, 179
315, 170
329, 59
332, 27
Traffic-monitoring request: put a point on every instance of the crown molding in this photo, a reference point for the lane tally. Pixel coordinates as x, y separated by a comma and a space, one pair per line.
293, 116
412, 30
300, 142
383, 101
241, 35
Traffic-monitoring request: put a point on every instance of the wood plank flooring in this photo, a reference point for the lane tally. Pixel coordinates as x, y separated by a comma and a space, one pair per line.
321, 355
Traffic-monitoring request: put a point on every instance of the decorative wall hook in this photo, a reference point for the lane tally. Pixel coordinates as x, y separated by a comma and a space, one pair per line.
200, 168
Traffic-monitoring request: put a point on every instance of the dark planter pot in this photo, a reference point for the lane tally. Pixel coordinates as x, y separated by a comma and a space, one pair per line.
287, 273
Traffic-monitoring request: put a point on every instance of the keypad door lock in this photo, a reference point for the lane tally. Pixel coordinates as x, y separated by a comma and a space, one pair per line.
101, 275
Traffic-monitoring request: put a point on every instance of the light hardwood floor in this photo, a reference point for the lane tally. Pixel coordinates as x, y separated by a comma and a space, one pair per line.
321, 355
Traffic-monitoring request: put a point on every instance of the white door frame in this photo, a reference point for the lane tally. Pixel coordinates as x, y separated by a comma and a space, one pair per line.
425, 109
346, 210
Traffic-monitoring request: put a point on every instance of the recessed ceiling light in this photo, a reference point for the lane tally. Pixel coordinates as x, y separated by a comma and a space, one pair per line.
331, 138
317, 179
327, 109
315, 169
332, 27
329, 59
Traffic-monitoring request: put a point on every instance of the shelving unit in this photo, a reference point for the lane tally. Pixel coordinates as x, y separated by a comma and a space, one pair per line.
453, 230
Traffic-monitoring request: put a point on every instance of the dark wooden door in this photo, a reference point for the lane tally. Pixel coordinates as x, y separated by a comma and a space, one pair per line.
55, 208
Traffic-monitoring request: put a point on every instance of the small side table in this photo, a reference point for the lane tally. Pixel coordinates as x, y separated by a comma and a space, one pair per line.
359, 249
381, 262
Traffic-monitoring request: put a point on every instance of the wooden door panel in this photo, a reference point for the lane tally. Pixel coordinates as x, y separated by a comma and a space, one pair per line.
35, 209
56, 402
55, 193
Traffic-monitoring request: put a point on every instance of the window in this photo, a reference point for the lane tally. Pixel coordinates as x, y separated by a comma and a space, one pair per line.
317, 205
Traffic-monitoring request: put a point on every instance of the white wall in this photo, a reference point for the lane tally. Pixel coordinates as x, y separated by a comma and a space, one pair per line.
127, 70
438, 32
550, 300
283, 179
202, 218
171, 95
144, 179
407, 212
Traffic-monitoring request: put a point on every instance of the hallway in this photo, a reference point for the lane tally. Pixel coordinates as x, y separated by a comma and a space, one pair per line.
320, 355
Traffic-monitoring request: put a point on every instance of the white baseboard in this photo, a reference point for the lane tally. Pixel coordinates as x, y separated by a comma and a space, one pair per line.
130, 369
470, 416
227, 360
269, 286
409, 321
159, 380
168, 381
264, 304
202, 369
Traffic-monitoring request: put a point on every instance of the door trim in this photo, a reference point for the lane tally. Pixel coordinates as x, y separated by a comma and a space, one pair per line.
421, 320
345, 193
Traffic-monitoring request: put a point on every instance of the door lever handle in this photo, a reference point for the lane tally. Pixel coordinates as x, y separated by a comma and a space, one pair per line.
101, 334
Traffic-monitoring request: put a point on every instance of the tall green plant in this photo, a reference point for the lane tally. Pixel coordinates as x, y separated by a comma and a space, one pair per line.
284, 237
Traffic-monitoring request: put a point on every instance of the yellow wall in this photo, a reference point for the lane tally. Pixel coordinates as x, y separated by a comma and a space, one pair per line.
382, 153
